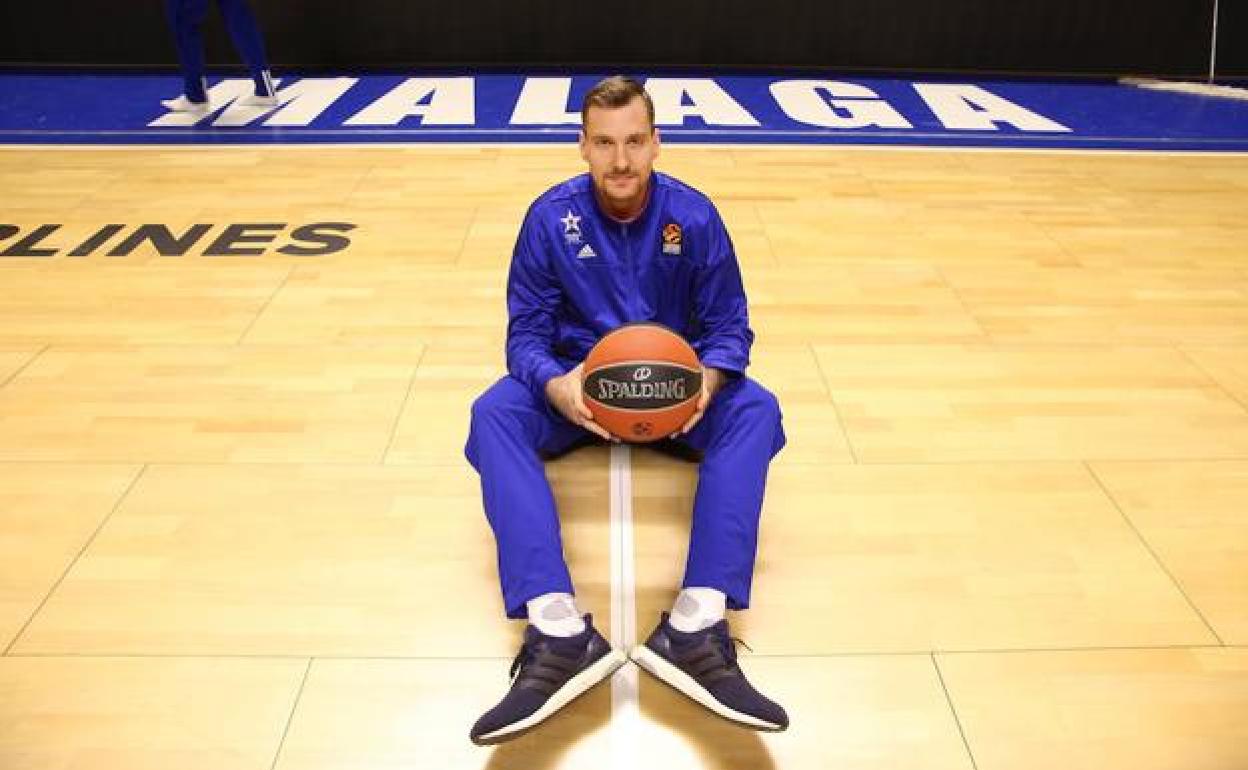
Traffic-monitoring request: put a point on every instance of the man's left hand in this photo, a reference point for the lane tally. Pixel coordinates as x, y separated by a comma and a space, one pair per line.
712, 381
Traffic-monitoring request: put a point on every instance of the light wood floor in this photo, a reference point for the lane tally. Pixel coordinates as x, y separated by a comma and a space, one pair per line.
1010, 530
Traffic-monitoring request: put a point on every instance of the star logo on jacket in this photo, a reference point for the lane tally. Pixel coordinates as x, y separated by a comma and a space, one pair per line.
672, 237
571, 227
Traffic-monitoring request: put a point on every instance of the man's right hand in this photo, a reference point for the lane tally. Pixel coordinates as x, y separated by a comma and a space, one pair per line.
565, 394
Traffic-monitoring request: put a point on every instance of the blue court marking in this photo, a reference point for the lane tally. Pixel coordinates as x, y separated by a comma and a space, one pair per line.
119, 109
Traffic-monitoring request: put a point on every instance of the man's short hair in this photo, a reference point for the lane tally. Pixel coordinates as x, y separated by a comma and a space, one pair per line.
616, 91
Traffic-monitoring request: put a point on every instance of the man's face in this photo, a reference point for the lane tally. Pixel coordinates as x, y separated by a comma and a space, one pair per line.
620, 146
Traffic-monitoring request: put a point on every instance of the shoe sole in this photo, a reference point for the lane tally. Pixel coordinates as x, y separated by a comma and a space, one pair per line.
669, 674
575, 687
172, 107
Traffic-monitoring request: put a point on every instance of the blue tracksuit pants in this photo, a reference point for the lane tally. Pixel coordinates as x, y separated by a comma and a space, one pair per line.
187, 19
739, 434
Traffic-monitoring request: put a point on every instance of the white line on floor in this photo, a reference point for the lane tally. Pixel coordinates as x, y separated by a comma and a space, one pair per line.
624, 709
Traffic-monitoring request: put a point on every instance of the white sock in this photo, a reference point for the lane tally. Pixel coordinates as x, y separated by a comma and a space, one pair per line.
555, 615
697, 608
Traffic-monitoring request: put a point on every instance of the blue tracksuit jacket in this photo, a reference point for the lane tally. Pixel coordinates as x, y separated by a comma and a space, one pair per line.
576, 274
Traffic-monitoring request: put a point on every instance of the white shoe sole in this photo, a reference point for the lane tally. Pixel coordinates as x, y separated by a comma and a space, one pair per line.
268, 102
187, 107
577, 685
669, 674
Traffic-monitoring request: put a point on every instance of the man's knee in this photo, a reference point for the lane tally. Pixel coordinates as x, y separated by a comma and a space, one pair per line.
504, 412
758, 402
756, 411
504, 401
743, 407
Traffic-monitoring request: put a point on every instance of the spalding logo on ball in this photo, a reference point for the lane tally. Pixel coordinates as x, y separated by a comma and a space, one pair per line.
642, 382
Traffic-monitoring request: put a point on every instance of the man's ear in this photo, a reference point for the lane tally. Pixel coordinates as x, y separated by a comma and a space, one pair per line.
583, 141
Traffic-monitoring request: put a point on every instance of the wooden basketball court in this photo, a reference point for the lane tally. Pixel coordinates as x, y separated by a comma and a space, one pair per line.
1008, 532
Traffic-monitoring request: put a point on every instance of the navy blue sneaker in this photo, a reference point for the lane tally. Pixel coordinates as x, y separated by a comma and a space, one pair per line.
703, 665
547, 674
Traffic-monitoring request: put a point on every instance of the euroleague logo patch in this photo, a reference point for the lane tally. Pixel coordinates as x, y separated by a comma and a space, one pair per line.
672, 237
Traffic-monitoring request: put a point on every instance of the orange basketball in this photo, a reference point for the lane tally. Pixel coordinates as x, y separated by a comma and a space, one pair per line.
642, 382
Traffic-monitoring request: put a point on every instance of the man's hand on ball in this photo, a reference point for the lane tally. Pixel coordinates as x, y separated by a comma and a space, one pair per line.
712, 381
565, 394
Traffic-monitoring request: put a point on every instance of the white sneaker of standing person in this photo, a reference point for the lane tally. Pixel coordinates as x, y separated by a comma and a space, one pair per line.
265, 94
183, 104
257, 100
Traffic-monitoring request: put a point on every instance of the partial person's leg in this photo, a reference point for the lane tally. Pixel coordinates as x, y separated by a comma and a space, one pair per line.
245, 32
691, 648
739, 435
186, 20
509, 429
510, 426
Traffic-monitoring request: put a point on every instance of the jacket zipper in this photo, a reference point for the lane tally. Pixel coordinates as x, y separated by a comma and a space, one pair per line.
632, 272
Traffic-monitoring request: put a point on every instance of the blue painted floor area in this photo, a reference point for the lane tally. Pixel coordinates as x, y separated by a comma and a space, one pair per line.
746, 109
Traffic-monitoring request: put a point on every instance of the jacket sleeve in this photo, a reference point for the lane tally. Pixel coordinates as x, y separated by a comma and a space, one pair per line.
533, 297
720, 305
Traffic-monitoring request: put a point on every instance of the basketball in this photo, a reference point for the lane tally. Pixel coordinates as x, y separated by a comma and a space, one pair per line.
642, 382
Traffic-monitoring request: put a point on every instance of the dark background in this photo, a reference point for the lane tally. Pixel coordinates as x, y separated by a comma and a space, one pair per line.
1233, 38
1049, 37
